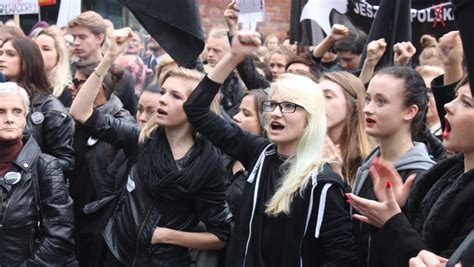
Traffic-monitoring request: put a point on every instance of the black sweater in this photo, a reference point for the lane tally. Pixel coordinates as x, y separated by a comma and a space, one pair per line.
283, 240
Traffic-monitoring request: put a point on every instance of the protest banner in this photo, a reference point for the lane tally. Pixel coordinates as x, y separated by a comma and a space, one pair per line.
435, 17
18, 7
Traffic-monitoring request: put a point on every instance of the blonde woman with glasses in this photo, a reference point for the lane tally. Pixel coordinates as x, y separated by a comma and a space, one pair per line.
292, 211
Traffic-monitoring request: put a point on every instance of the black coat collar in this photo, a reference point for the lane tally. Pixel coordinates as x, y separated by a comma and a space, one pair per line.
28, 154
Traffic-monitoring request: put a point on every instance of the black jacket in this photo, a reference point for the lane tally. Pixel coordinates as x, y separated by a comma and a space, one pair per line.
128, 233
19, 215
232, 94
93, 157
53, 129
440, 214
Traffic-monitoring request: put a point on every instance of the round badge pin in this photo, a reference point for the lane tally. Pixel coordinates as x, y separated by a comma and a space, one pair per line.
92, 141
12, 178
37, 117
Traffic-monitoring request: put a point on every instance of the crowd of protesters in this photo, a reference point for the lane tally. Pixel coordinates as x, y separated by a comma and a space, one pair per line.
113, 155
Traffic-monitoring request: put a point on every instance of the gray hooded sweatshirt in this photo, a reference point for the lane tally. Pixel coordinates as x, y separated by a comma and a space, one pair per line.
417, 158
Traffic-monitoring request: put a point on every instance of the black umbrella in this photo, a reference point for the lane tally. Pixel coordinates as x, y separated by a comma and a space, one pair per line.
392, 22
175, 25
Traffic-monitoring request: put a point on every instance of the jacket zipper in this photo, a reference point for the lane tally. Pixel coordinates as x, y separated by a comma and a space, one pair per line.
368, 250
139, 233
6, 208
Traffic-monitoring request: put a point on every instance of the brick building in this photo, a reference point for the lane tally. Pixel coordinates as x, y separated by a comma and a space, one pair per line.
277, 16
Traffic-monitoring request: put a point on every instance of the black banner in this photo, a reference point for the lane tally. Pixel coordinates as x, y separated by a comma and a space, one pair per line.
435, 17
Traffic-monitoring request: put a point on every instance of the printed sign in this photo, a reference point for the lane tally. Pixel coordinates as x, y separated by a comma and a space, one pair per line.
251, 12
18, 7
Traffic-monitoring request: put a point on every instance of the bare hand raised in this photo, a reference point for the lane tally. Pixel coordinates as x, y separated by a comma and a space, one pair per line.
118, 41
403, 52
450, 46
375, 50
244, 43
338, 32
231, 15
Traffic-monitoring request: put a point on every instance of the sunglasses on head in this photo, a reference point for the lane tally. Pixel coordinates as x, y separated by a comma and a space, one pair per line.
76, 82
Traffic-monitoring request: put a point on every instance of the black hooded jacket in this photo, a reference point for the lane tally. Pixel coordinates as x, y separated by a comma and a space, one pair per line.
318, 230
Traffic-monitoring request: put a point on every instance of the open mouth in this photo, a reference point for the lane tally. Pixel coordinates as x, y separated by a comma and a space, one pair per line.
447, 128
369, 122
276, 126
161, 112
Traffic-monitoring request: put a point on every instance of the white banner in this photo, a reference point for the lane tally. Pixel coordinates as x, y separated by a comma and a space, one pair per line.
18, 7
68, 10
251, 12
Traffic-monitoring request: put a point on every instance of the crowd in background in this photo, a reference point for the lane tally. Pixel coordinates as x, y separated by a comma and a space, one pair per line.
113, 155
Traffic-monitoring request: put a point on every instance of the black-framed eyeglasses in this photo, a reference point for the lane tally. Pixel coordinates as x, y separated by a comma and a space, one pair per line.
285, 107
76, 82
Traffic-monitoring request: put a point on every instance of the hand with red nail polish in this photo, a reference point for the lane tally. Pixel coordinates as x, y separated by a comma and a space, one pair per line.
374, 212
381, 172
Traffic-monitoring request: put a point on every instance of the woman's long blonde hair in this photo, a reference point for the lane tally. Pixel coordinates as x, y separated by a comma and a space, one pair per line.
60, 76
308, 158
183, 73
354, 143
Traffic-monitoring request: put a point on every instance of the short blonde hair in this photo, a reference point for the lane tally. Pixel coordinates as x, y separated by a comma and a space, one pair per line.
90, 20
187, 74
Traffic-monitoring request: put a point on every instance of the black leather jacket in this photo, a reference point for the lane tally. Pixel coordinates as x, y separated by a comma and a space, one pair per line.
19, 214
128, 233
93, 157
53, 129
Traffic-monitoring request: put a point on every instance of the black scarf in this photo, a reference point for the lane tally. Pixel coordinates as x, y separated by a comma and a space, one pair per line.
162, 178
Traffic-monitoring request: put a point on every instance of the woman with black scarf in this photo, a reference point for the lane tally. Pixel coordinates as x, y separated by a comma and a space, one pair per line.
175, 178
